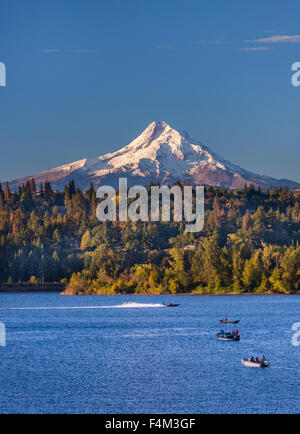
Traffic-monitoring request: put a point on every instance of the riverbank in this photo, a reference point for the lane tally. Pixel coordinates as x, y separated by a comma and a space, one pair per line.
31, 287
68, 291
64, 290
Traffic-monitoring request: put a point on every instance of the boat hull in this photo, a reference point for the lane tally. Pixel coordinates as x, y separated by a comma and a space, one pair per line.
249, 364
229, 322
225, 337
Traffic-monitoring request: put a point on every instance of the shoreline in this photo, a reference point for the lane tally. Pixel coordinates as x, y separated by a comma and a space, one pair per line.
187, 293
62, 289
32, 287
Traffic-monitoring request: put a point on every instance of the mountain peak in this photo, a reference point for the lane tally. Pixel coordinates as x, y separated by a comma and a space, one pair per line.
154, 130
160, 154
156, 124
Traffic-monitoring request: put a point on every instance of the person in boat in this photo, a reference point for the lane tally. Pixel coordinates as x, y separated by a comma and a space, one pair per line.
257, 360
252, 359
263, 359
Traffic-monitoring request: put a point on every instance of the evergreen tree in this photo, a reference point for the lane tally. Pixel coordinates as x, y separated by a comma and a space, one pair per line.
33, 188
7, 192
48, 190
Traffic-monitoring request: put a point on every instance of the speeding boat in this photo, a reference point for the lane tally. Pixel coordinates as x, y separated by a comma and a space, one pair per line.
255, 364
230, 336
171, 304
225, 321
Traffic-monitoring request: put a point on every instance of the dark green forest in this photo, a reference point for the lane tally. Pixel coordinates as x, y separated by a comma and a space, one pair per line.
250, 244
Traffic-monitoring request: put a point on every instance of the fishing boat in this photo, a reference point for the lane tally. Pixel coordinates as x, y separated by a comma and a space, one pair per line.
229, 336
255, 364
225, 321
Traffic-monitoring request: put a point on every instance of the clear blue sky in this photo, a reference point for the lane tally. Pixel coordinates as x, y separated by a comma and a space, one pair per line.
85, 77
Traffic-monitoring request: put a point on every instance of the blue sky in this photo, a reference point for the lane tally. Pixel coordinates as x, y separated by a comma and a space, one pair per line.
86, 77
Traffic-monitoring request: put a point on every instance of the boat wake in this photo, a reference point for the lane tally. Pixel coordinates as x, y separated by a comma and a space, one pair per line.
116, 306
131, 304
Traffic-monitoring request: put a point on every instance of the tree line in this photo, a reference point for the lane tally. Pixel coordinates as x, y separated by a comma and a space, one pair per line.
250, 243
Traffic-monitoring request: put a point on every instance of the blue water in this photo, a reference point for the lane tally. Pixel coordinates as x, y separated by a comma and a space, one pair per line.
147, 359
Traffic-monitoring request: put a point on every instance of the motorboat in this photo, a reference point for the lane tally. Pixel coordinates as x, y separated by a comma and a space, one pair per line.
228, 336
255, 364
225, 321
171, 304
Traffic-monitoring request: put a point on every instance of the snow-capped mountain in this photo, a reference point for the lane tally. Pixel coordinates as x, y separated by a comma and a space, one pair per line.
160, 154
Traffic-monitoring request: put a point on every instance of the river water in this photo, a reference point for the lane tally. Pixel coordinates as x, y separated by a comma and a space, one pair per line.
129, 354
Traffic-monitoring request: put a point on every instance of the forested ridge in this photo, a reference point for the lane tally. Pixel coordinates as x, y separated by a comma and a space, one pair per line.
250, 243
